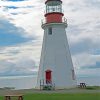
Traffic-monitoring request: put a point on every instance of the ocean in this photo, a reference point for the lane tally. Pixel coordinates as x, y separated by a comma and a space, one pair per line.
18, 82
28, 82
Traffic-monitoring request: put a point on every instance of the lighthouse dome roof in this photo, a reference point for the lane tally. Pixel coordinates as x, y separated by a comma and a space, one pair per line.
52, 0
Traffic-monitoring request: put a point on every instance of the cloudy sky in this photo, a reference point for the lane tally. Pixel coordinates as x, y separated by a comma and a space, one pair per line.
21, 36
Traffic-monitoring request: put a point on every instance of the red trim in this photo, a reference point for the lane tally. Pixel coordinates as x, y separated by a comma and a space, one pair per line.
53, 13
52, 0
55, 17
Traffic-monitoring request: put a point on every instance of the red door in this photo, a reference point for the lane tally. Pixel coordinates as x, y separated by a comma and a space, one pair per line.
48, 76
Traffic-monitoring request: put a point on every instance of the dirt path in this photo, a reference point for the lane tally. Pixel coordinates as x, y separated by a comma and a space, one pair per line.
7, 92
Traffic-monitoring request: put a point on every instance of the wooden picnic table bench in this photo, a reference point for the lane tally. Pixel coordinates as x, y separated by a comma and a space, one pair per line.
18, 96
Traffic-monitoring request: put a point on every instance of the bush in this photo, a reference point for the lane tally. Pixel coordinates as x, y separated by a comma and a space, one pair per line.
92, 87
47, 88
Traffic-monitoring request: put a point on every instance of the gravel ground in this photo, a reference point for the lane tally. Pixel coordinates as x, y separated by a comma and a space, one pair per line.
15, 92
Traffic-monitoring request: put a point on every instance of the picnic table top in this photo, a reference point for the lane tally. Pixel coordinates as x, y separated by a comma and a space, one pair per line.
13, 95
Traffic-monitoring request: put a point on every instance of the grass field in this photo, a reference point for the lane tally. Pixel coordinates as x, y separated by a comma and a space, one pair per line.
62, 97
59, 96
76, 95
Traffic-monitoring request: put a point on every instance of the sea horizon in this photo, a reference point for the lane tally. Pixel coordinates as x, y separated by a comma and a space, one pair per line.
29, 82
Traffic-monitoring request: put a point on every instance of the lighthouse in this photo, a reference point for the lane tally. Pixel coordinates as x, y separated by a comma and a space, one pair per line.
56, 68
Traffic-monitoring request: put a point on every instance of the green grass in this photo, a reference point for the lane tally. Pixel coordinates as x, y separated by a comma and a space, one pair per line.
62, 97
1, 98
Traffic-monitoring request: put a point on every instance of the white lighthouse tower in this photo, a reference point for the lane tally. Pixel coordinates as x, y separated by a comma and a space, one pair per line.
56, 68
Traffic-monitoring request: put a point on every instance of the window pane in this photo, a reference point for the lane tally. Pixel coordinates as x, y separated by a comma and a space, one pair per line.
50, 31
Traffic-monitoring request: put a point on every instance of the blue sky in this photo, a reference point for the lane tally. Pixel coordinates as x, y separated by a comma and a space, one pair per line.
21, 36
11, 35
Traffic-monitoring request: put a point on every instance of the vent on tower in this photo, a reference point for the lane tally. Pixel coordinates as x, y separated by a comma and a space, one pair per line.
73, 75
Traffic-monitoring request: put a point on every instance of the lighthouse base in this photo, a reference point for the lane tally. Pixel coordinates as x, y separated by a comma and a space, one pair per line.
52, 86
55, 88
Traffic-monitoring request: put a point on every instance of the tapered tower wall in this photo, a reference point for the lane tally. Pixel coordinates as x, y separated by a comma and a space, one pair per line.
56, 65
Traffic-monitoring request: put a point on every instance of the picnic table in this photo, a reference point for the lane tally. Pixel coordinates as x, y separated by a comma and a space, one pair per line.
18, 96
82, 85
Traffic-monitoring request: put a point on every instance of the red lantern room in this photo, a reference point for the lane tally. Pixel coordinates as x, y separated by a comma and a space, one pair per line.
54, 12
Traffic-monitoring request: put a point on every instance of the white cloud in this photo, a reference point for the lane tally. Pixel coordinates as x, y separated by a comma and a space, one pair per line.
85, 60
21, 59
29, 18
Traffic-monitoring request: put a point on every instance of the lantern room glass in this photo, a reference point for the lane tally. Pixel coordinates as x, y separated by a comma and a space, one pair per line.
54, 6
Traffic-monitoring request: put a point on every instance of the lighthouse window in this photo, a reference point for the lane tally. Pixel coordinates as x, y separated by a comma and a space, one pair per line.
50, 31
